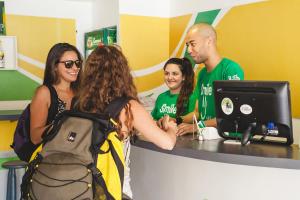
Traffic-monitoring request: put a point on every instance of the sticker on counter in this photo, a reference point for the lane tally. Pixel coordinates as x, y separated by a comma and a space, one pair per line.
227, 106
246, 109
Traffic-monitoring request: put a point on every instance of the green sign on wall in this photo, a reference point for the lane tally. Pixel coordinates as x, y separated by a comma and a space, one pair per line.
95, 38
2, 18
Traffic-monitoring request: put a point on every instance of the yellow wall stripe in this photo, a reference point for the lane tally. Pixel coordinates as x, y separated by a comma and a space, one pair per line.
7, 129
177, 27
263, 38
31, 68
36, 35
150, 81
144, 40
180, 50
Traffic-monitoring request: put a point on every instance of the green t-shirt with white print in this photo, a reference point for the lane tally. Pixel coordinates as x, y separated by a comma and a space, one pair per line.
166, 105
225, 70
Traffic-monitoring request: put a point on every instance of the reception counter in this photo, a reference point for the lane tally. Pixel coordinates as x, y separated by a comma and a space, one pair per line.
212, 170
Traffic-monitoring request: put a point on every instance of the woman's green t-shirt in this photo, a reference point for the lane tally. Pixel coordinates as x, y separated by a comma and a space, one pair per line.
166, 105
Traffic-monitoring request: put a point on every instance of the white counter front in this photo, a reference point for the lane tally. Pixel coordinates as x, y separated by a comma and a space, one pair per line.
215, 171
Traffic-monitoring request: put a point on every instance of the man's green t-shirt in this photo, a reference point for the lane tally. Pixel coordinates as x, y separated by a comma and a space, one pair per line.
225, 70
166, 105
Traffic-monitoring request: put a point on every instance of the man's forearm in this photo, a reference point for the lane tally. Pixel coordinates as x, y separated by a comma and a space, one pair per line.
211, 123
188, 118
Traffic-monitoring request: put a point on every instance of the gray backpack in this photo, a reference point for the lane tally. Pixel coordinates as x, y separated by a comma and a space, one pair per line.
66, 168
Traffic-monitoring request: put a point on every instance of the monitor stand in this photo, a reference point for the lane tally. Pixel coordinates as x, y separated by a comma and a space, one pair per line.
247, 133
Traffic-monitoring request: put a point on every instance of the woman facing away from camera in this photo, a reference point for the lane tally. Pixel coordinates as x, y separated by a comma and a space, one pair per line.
107, 77
61, 82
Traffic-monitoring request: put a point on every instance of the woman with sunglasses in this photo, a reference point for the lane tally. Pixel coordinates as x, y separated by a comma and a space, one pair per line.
179, 100
61, 81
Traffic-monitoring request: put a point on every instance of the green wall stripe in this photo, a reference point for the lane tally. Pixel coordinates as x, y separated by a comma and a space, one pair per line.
16, 86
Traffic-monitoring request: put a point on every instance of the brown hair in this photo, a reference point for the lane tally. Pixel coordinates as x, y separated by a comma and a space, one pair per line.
106, 76
56, 52
187, 88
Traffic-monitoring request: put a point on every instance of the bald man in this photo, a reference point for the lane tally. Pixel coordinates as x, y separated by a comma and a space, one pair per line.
201, 43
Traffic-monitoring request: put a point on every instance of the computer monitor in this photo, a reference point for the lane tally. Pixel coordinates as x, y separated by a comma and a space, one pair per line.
259, 110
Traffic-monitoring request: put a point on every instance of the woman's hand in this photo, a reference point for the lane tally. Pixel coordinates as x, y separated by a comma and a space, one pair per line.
159, 122
167, 118
185, 128
169, 125
165, 122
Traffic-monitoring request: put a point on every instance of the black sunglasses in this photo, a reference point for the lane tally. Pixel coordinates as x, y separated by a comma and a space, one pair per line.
69, 63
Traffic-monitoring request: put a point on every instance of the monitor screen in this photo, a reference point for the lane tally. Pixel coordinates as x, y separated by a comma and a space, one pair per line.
259, 110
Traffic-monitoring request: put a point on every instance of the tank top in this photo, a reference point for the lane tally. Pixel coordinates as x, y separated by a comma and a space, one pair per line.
56, 106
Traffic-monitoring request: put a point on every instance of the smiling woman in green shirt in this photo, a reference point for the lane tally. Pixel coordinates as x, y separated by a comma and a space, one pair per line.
179, 99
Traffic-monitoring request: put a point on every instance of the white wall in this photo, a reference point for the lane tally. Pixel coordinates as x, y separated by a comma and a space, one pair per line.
105, 13
296, 131
172, 8
158, 8
89, 14
179, 7
79, 10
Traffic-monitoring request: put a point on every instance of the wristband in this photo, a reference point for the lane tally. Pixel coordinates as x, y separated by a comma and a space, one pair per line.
201, 124
179, 120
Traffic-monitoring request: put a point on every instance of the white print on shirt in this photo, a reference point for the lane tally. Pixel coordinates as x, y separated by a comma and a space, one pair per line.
168, 109
204, 106
234, 77
205, 91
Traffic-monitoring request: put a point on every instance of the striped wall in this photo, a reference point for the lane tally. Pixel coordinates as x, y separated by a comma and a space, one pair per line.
260, 35
36, 35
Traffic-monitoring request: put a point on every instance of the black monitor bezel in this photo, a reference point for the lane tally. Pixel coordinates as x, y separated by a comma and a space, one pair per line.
271, 89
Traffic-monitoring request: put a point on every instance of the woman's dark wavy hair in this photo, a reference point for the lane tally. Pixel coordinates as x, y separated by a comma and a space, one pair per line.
106, 76
187, 88
56, 52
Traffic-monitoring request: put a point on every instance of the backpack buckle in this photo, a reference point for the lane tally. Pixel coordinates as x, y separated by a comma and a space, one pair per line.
95, 171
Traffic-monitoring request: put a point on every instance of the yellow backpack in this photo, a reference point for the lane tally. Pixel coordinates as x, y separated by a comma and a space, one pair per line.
112, 165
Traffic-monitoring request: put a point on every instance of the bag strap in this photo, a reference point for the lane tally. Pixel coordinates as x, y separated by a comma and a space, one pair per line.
54, 103
26, 179
98, 178
118, 162
98, 175
114, 107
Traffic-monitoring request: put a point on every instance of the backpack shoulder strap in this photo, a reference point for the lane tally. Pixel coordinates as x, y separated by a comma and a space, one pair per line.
54, 104
114, 108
